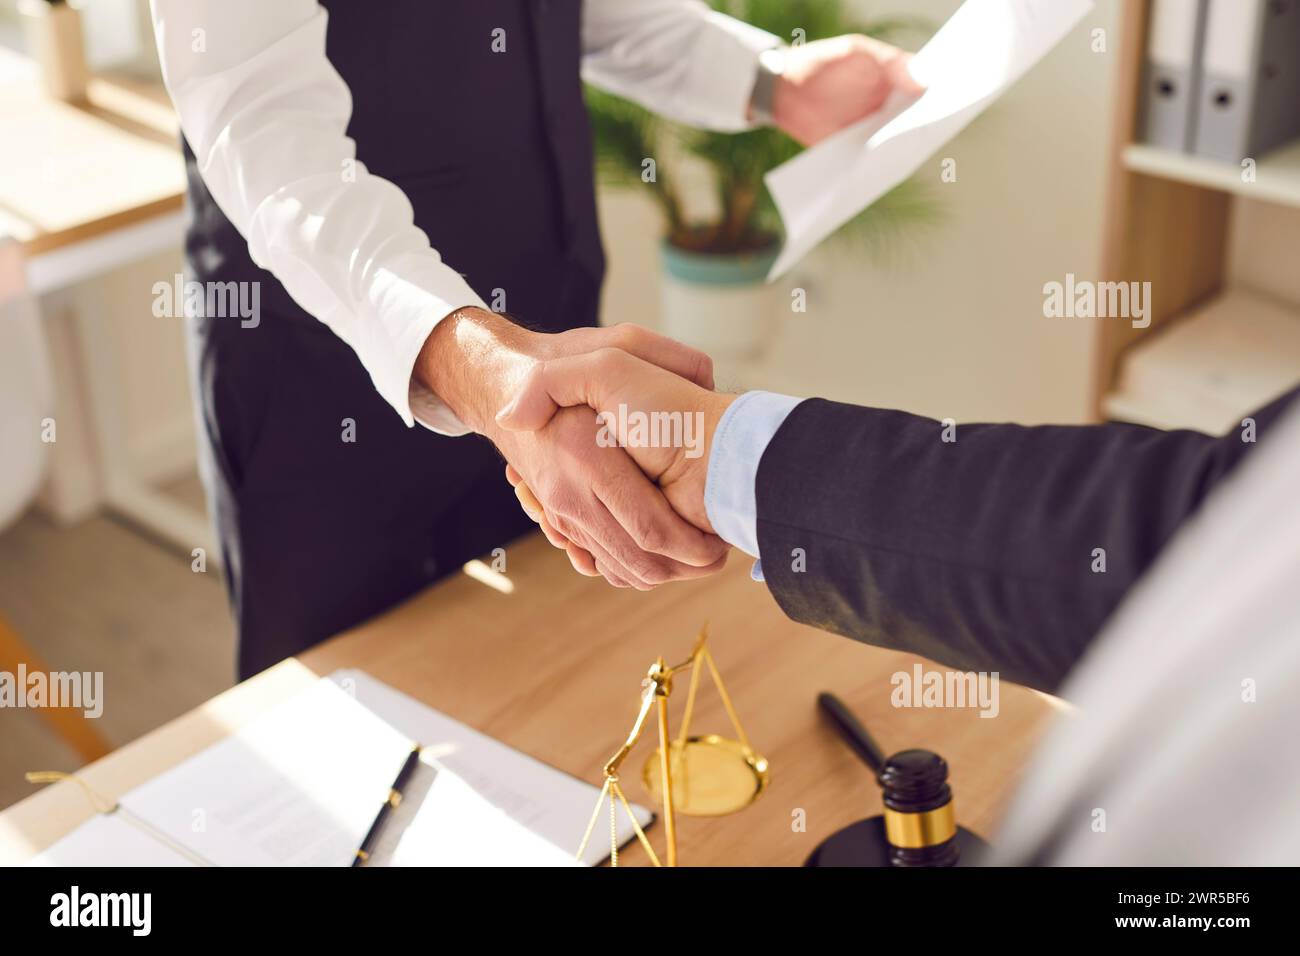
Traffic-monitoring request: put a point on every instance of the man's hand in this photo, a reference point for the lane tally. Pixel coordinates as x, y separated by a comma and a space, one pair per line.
629, 395
830, 84
608, 515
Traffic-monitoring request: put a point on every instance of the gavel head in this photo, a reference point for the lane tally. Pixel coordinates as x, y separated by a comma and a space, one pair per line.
919, 821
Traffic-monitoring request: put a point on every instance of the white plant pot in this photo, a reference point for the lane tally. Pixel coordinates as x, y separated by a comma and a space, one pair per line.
719, 304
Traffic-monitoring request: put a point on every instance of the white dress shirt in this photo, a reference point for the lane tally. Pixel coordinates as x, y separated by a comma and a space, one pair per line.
266, 115
741, 437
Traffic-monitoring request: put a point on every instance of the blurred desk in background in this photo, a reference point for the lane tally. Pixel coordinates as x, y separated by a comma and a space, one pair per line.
550, 663
87, 189
69, 173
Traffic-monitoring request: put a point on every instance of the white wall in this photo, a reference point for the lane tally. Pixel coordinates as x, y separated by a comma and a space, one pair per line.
1263, 249
950, 323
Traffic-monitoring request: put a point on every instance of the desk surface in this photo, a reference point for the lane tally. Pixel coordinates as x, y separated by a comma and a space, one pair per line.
69, 173
553, 668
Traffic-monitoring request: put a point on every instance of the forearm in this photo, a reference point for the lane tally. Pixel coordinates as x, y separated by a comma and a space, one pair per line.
266, 115
474, 360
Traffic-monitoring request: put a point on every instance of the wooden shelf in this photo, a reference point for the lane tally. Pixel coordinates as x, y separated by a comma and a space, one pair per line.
1212, 367
1161, 225
1277, 174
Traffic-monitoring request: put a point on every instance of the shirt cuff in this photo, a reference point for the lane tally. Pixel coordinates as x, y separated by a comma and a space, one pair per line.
726, 76
410, 302
742, 436
432, 412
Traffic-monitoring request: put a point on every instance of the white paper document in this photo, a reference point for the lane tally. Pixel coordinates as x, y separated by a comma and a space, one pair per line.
303, 784
546, 801
979, 53
110, 839
299, 786
443, 821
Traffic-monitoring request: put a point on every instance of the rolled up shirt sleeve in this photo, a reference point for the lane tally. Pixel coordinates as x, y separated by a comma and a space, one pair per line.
266, 115
742, 436
676, 57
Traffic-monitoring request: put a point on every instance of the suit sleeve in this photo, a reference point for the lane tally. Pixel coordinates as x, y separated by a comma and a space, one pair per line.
1003, 550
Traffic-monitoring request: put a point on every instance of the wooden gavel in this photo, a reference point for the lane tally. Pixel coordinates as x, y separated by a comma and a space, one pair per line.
918, 827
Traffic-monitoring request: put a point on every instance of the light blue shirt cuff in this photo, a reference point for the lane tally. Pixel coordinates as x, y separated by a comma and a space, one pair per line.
738, 445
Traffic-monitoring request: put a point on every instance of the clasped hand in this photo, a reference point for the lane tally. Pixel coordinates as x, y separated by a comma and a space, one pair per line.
625, 392
595, 498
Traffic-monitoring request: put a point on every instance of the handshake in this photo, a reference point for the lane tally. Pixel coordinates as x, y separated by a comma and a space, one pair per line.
606, 433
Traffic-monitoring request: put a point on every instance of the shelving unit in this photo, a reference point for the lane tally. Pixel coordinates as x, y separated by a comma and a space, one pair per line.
1230, 356
1277, 174
1168, 216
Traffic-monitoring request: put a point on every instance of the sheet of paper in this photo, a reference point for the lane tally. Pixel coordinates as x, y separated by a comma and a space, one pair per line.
443, 821
300, 786
543, 800
980, 52
110, 839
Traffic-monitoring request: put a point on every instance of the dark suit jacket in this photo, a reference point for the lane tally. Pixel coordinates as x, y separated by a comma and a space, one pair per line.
978, 553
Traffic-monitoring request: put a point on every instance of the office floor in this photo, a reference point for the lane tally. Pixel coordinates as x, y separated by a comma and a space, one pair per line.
99, 596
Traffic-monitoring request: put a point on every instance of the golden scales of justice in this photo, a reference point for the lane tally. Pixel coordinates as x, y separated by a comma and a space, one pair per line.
704, 776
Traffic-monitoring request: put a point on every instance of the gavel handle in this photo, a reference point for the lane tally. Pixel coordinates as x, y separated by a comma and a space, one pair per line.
854, 734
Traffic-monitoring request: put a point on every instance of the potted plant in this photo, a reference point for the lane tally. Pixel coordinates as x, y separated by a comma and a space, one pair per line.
714, 269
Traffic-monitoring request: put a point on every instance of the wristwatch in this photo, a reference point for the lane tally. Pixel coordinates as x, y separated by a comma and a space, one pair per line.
771, 65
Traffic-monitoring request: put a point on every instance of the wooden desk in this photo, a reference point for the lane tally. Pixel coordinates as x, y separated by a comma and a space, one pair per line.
554, 667
69, 173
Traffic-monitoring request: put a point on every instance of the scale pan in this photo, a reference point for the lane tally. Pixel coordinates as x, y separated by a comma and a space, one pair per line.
712, 776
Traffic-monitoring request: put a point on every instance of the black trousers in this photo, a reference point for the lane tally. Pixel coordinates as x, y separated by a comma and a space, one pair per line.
328, 508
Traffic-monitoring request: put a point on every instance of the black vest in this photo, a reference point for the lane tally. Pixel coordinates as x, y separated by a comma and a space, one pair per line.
491, 146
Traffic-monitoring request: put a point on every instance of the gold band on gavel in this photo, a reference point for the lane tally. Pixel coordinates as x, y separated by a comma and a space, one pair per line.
912, 831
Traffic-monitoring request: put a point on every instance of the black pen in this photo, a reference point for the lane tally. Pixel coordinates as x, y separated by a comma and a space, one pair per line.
394, 798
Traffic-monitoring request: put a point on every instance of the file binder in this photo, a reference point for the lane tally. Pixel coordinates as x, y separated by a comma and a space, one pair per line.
1250, 89
1172, 73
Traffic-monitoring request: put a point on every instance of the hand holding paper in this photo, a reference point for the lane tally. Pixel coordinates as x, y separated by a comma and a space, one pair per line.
977, 55
832, 83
